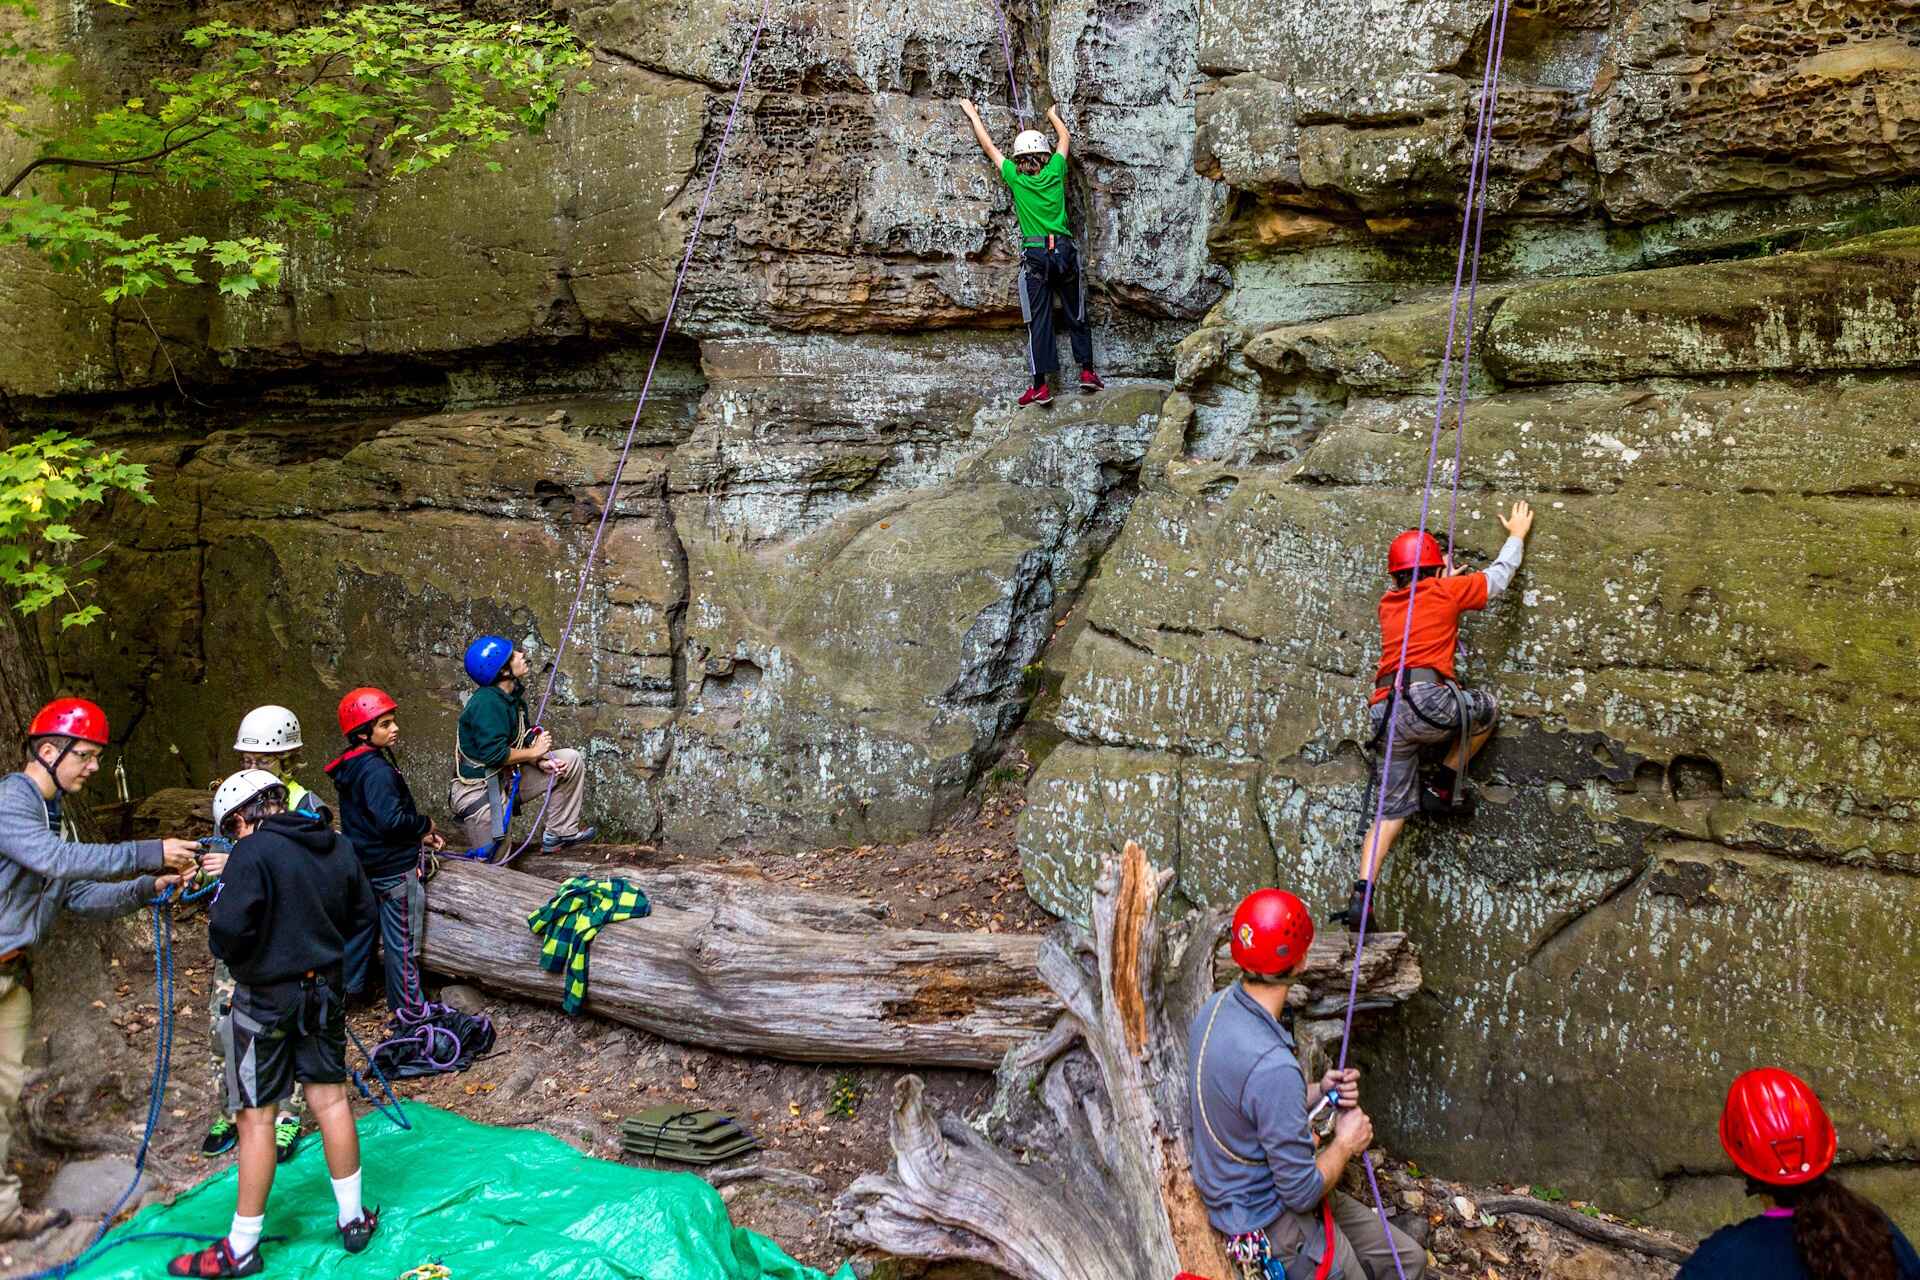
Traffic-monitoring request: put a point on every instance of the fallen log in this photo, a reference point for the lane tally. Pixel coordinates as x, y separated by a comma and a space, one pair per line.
1596, 1229
735, 884
1083, 1171
720, 973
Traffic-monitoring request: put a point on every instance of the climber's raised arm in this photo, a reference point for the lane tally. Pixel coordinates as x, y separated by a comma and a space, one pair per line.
980, 133
1063, 136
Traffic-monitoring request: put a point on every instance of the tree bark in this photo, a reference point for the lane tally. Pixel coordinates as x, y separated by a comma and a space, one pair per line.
802, 977
1087, 1174
1597, 1229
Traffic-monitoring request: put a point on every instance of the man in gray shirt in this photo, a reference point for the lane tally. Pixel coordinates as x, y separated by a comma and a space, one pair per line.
1266, 1187
41, 872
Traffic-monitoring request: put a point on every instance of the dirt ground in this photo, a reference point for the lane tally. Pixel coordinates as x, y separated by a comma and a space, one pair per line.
820, 1126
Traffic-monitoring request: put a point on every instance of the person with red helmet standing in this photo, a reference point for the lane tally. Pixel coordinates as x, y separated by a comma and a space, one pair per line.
378, 815
42, 871
1778, 1135
1266, 1187
1427, 700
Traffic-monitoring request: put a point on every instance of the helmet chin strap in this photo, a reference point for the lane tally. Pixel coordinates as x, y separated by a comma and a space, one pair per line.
53, 770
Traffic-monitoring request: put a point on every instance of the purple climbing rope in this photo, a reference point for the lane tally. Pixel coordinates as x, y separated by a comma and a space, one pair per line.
626, 448
1472, 223
1483, 151
1014, 100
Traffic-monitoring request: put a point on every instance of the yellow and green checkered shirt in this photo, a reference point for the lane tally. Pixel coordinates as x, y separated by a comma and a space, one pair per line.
572, 919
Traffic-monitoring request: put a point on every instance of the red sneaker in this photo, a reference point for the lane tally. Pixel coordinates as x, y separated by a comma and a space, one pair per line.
1042, 394
216, 1260
1090, 382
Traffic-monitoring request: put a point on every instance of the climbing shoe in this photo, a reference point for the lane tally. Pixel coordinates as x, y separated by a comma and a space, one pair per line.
1090, 382
549, 842
286, 1138
1443, 792
356, 1235
222, 1135
24, 1223
1356, 905
1042, 394
217, 1260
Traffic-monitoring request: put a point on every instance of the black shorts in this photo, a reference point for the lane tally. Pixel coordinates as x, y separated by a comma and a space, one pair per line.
274, 1035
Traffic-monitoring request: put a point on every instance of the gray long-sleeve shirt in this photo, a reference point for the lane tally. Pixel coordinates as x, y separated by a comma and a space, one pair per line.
1500, 572
1249, 1097
41, 873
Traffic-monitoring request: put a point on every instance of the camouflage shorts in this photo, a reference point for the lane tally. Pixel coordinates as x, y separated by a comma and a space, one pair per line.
219, 1004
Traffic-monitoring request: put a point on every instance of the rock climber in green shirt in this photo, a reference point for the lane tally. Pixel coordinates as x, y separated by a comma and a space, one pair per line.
1050, 264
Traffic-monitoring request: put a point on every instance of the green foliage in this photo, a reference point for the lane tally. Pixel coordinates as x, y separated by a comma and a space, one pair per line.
280, 128
43, 482
845, 1097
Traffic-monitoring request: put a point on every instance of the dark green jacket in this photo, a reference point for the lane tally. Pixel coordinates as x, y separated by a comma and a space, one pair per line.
492, 724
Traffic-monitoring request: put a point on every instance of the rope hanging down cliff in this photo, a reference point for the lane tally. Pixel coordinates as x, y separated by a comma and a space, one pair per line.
1472, 225
633, 427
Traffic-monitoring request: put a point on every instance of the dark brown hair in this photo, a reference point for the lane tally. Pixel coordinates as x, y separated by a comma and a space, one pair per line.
1838, 1234
1404, 579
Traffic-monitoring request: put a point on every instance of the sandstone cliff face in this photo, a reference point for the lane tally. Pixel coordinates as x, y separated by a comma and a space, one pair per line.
839, 555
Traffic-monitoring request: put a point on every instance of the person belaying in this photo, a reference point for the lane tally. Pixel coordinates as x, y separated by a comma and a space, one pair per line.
1813, 1228
1266, 1187
378, 815
269, 738
292, 895
44, 871
495, 741
1036, 174
1429, 702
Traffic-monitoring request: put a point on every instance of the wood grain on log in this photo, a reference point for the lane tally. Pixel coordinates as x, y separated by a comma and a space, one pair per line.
725, 975
1088, 1172
1598, 1229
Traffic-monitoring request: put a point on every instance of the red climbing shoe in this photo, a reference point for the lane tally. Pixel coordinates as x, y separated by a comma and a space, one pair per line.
1042, 394
358, 1234
217, 1260
1090, 382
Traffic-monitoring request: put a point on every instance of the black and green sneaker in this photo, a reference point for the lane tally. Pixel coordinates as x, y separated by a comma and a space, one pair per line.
286, 1138
222, 1135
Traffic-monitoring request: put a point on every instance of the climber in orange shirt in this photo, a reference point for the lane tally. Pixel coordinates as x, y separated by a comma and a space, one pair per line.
1429, 702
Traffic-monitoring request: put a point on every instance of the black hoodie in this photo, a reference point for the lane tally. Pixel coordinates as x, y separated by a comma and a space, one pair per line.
377, 811
292, 894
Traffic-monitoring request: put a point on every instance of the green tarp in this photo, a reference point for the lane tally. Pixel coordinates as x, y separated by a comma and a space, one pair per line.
489, 1203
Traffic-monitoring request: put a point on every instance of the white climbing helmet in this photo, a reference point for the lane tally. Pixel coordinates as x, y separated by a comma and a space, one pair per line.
1031, 142
236, 791
266, 729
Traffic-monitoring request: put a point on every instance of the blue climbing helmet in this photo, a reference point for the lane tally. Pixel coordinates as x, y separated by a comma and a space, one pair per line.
487, 657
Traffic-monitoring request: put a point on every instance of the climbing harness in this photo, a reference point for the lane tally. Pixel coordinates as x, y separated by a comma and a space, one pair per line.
633, 428
1472, 226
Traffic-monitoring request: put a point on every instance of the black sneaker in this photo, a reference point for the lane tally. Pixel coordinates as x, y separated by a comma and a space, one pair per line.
222, 1136
286, 1139
358, 1234
1444, 794
1357, 904
549, 842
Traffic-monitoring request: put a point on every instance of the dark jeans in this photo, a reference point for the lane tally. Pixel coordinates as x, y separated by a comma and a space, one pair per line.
1047, 275
397, 934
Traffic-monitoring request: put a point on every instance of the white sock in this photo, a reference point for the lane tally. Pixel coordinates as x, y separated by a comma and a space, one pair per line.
244, 1237
346, 1195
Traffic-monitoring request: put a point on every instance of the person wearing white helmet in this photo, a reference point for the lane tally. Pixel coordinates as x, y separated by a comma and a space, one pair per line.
1049, 261
292, 895
269, 738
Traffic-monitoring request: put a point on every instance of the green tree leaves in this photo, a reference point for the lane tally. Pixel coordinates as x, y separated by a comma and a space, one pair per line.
279, 129
43, 483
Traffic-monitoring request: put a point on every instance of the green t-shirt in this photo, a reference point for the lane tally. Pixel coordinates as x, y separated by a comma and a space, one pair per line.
1040, 201
491, 725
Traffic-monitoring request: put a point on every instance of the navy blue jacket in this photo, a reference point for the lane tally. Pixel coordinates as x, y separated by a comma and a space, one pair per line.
1762, 1249
377, 811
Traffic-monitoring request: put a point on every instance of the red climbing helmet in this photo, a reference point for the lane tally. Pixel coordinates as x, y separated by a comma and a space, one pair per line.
70, 718
1415, 550
362, 707
1775, 1128
1272, 930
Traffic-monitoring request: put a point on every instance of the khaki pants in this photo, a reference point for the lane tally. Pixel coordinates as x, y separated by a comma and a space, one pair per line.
469, 799
1361, 1251
16, 1026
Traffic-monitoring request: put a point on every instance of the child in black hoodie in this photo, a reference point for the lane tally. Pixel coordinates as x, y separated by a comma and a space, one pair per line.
377, 813
291, 895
